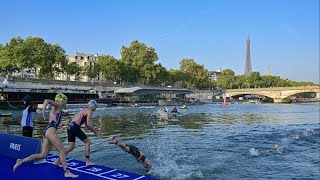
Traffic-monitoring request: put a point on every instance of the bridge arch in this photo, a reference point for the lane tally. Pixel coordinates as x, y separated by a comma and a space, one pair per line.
243, 94
297, 93
278, 94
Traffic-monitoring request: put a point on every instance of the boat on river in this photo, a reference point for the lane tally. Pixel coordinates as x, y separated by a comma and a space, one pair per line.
164, 114
135, 105
183, 107
5, 114
167, 115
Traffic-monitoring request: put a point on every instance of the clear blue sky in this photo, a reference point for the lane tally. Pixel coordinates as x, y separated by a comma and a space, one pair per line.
284, 33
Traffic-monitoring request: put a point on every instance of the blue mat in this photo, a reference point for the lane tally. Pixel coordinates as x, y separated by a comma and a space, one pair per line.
48, 171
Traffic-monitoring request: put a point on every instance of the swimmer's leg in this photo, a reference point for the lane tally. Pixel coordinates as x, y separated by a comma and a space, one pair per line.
87, 143
69, 149
55, 140
46, 145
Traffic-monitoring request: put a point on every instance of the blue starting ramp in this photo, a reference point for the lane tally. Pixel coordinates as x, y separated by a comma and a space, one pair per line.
18, 146
48, 171
14, 147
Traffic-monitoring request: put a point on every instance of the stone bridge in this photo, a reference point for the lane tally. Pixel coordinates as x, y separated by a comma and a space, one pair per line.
278, 94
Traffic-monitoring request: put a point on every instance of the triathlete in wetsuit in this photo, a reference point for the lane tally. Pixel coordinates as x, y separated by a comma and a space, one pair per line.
74, 130
50, 136
140, 157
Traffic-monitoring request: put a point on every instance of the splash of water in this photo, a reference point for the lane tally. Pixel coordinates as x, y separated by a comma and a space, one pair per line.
308, 132
254, 152
170, 160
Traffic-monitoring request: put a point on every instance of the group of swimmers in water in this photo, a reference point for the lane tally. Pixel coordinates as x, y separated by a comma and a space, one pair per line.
51, 138
165, 109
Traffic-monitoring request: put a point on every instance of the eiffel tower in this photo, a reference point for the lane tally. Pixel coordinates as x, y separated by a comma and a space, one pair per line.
248, 68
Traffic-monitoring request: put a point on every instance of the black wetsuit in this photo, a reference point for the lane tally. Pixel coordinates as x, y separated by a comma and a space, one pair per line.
74, 129
136, 153
54, 123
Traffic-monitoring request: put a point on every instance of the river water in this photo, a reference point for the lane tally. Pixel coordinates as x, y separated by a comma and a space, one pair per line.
205, 141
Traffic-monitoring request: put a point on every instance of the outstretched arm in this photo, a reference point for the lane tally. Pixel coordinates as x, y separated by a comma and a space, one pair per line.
146, 162
90, 126
117, 142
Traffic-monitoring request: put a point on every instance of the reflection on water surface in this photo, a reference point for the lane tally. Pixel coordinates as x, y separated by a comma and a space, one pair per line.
205, 141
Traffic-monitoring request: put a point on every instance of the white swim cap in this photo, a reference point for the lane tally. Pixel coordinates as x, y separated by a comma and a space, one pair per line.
92, 103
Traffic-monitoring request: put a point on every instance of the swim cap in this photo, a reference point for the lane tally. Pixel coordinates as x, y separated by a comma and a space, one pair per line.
60, 97
92, 103
276, 146
26, 98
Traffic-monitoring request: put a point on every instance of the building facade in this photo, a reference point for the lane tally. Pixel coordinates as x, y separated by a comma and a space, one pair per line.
85, 61
214, 75
27, 73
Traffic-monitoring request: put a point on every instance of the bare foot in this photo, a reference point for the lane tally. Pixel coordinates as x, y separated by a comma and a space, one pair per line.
69, 174
89, 163
112, 140
57, 162
18, 163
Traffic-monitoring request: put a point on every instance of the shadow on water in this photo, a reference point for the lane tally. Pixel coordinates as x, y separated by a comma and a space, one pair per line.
243, 118
125, 124
193, 121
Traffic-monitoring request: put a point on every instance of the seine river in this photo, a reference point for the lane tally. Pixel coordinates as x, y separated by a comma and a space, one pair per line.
205, 141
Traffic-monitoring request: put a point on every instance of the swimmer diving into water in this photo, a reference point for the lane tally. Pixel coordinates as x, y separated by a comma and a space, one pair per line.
140, 157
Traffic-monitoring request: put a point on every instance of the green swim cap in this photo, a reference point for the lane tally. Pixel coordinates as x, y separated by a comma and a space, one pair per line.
60, 97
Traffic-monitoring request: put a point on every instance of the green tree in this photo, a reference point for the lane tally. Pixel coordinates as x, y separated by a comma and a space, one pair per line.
92, 71
253, 80
36, 53
54, 60
11, 54
153, 74
172, 77
240, 81
138, 58
161, 74
33, 53
227, 80
196, 75
111, 68
72, 69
